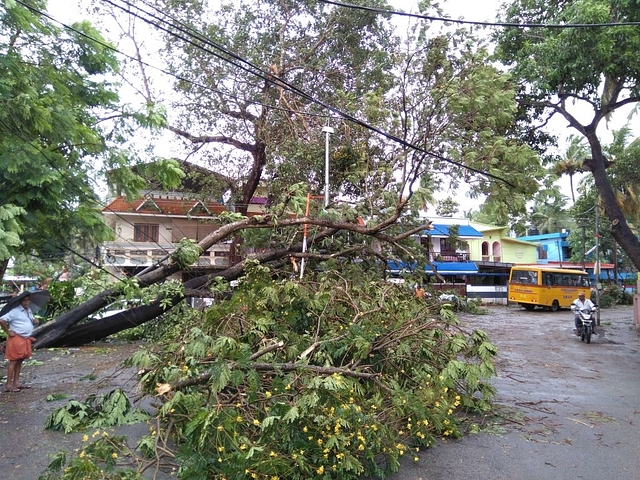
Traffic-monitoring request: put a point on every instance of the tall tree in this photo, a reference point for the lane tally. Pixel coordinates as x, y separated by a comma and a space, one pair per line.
563, 69
52, 86
446, 116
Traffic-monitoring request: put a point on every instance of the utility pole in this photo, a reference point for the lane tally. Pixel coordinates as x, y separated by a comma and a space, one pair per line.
582, 223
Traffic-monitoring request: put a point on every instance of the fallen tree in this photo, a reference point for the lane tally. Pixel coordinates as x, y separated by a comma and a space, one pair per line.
339, 376
65, 331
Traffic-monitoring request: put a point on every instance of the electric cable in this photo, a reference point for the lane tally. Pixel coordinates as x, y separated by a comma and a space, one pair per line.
247, 66
479, 23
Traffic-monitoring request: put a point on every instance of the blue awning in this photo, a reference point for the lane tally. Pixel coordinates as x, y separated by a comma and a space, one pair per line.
443, 231
443, 268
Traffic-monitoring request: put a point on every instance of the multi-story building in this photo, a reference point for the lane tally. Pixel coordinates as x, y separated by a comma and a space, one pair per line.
148, 228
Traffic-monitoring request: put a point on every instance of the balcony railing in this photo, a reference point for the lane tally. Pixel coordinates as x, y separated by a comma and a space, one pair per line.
450, 257
140, 254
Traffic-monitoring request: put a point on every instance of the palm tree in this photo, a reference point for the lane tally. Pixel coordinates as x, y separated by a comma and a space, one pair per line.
571, 164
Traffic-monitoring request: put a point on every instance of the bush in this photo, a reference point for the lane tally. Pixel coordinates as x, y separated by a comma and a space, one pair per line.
612, 295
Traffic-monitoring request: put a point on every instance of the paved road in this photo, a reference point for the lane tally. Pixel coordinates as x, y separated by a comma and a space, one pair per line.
571, 409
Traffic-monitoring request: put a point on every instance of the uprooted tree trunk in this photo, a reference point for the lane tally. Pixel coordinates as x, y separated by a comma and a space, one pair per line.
65, 331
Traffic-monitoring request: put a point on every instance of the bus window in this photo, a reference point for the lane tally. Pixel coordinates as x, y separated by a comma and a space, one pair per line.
547, 279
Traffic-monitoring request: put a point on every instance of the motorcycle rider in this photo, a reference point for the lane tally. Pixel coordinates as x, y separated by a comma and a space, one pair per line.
578, 304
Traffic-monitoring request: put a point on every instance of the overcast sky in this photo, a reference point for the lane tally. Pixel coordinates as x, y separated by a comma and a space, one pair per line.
472, 10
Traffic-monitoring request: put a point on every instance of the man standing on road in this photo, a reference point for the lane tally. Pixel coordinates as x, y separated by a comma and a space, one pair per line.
577, 305
18, 325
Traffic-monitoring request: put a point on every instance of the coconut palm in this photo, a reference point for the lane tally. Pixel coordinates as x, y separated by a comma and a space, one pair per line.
572, 162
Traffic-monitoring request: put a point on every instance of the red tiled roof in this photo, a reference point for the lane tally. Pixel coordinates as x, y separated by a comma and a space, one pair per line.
166, 206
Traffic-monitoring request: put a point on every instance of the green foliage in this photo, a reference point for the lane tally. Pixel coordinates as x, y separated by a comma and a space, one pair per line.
96, 411
98, 460
594, 71
612, 295
48, 108
310, 380
9, 229
186, 253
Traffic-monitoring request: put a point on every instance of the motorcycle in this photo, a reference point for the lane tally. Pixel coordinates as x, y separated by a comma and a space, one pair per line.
586, 325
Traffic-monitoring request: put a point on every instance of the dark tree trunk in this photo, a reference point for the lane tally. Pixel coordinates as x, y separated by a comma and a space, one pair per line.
65, 332
619, 227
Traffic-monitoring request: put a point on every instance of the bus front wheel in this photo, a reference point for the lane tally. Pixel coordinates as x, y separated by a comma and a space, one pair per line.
555, 306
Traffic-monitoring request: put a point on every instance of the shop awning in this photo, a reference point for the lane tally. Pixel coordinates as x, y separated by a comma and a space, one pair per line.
443, 268
466, 231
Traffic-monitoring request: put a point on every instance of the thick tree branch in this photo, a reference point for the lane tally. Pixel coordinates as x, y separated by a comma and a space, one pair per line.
276, 367
247, 147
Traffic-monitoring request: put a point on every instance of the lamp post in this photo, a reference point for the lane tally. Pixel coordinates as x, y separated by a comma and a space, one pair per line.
327, 131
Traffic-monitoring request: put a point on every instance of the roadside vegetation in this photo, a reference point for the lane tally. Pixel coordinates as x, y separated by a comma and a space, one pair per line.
327, 378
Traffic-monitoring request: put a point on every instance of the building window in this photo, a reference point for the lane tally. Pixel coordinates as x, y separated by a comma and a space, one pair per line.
542, 252
145, 232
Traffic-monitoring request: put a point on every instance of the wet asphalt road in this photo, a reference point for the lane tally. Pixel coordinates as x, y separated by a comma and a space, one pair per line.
570, 410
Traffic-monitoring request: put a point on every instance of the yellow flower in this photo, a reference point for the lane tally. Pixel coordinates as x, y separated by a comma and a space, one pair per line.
305, 429
319, 441
221, 449
256, 422
273, 454
288, 387
243, 447
238, 419
361, 447
267, 394
85, 438
82, 454
220, 428
320, 470
114, 455
416, 458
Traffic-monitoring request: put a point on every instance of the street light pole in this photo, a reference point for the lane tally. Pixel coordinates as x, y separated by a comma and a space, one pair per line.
327, 131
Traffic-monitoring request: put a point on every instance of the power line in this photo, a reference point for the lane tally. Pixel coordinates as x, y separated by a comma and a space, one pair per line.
483, 24
247, 66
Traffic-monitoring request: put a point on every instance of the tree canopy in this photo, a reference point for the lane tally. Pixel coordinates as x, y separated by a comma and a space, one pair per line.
51, 91
572, 69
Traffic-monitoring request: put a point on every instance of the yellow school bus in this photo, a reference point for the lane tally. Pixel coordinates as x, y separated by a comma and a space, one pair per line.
538, 286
